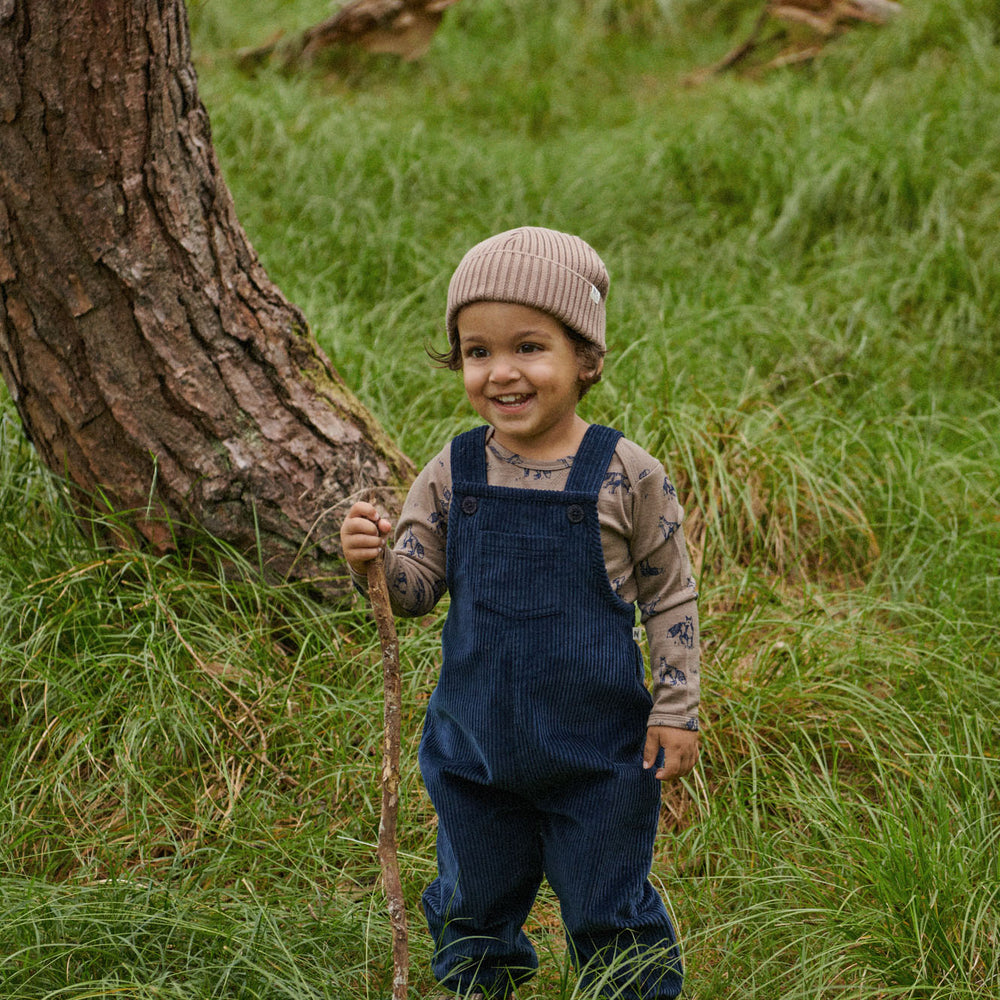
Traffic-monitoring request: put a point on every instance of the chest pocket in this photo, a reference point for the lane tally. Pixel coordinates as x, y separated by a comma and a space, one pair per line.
518, 575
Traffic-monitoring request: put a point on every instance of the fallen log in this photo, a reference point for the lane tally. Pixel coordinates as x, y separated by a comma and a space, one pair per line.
403, 28
800, 29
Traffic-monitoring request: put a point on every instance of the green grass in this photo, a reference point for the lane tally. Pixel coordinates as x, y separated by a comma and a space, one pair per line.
805, 284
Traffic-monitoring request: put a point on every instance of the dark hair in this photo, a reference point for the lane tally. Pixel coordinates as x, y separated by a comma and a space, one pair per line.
587, 352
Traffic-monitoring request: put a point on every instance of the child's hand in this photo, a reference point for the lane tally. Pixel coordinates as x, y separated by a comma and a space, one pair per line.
362, 534
680, 750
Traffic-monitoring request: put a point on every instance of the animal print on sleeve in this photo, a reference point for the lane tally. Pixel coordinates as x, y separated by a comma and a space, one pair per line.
415, 566
666, 592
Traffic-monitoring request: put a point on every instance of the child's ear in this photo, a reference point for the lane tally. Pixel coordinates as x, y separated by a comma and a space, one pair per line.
591, 374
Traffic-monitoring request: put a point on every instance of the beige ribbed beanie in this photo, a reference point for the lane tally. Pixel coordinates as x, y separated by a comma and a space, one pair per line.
555, 272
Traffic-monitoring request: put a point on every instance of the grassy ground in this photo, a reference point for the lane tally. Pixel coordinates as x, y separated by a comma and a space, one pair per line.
805, 284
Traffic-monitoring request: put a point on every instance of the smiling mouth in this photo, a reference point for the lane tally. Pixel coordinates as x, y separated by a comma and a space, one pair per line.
512, 399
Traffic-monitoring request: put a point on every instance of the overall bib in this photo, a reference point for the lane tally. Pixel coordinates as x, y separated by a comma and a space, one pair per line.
532, 744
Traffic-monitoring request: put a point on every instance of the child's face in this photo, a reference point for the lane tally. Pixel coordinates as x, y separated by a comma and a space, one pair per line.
522, 375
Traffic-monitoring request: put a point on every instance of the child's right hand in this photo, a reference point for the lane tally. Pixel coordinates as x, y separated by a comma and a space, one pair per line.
362, 535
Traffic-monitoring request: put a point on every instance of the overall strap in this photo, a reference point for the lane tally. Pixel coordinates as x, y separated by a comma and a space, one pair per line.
468, 456
592, 459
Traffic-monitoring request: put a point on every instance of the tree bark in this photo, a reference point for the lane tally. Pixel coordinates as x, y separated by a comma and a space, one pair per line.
153, 363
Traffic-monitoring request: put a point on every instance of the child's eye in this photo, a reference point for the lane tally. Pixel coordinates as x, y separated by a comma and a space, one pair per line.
529, 348
475, 352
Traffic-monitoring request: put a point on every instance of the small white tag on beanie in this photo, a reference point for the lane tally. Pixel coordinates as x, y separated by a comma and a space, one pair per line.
595, 294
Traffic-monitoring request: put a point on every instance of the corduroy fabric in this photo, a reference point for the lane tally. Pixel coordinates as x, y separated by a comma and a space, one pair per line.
558, 273
532, 743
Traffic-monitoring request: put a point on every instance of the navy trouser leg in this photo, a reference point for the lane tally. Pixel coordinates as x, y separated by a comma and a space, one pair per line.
597, 842
489, 871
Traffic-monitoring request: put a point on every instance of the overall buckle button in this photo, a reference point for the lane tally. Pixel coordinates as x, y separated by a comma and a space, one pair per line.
469, 505
575, 513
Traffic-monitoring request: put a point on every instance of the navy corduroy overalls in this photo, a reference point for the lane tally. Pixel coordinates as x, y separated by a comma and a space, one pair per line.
532, 744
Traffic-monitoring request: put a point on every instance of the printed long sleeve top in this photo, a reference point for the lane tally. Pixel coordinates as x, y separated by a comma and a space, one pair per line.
644, 552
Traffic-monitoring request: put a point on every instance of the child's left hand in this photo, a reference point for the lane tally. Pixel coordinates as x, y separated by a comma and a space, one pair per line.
680, 750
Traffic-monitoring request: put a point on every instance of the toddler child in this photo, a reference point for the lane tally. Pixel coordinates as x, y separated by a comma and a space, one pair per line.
542, 747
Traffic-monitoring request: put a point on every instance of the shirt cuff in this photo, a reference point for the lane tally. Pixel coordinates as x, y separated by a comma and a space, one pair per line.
689, 722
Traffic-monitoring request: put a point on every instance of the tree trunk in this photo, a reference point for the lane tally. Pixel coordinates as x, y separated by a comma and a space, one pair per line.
153, 363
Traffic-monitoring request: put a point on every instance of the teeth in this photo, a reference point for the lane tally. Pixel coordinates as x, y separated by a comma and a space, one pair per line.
509, 399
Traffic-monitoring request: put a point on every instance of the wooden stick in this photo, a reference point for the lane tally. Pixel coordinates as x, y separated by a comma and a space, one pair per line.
378, 594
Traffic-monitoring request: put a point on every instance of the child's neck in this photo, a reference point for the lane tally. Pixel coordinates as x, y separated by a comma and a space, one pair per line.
550, 448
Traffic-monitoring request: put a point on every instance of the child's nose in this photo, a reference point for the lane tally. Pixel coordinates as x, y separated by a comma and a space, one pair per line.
504, 370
